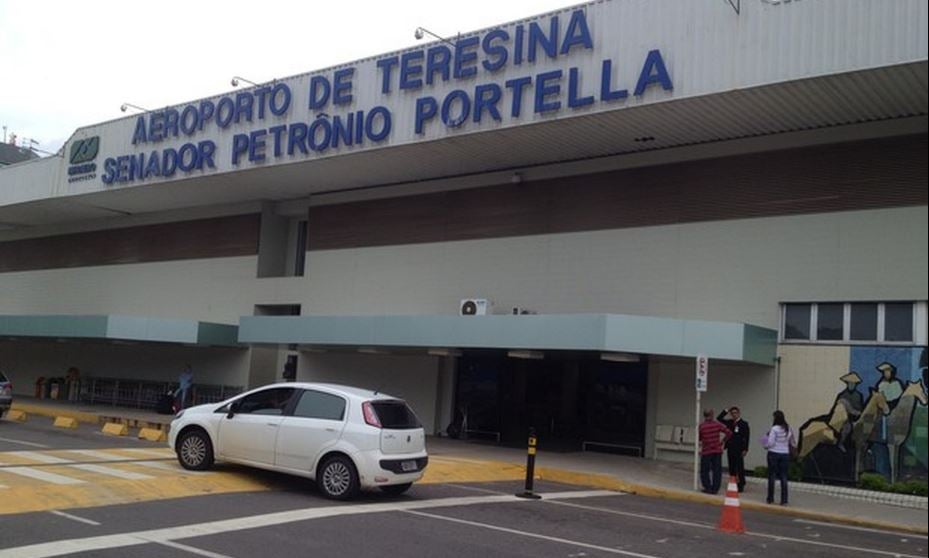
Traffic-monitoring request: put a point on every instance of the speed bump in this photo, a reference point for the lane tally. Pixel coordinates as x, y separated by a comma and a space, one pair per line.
115, 429
65, 422
152, 435
17, 415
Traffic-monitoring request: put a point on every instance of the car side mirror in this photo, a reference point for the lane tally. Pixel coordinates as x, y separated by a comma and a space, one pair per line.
233, 408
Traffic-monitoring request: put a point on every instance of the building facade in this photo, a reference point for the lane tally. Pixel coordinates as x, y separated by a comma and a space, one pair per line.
616, 188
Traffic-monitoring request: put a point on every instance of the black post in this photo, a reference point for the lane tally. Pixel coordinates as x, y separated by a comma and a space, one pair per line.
530, 468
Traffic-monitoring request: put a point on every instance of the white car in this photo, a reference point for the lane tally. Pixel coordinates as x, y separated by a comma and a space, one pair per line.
347, 439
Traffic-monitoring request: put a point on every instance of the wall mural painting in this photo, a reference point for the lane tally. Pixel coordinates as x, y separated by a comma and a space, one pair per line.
877, 423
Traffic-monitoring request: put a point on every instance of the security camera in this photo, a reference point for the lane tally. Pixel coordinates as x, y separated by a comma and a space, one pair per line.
123, 108
418, 33
235, 82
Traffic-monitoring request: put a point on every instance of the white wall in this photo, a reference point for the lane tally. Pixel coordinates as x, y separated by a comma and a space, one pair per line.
409, 377
26, 361
751, 388
738, 270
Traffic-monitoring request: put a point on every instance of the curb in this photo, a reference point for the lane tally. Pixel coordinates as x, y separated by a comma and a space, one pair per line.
86, 417
887, 498
611, 483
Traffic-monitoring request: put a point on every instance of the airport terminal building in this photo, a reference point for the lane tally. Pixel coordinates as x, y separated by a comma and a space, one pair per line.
541, 224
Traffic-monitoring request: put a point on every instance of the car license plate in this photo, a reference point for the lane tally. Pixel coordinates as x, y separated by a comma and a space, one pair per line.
408, 466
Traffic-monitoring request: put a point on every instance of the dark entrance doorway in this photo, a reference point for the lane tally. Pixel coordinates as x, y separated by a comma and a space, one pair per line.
569, 398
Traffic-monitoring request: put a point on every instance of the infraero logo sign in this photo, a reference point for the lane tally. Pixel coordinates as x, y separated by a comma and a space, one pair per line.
83, 152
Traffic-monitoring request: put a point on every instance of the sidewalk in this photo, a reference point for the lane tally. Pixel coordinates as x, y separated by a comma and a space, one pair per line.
86, 412
629, 474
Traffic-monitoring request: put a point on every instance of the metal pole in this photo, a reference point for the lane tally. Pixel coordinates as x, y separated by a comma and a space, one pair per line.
697, 442
530, 468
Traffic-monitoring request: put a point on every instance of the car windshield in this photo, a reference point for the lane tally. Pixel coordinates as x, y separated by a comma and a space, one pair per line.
3, 378
395, 414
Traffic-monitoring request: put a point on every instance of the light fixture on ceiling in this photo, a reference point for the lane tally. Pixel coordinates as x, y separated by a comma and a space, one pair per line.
531, 355
444, 352
620, 357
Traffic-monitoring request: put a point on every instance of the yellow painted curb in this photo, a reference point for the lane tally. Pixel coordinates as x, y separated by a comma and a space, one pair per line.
65, 422
50, 411
17, 415
115, 429
152, 434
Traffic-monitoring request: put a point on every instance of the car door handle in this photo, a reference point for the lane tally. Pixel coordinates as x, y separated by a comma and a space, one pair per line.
330, 430
274, 424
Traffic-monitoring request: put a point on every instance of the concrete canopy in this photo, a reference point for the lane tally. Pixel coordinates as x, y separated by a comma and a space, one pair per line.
576, 332
119, 328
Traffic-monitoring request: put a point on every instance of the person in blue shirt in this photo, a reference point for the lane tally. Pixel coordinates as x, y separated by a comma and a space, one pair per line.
185, 382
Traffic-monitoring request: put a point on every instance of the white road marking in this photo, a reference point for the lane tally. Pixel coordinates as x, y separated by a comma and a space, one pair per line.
530, 535
74, 517
110, 471
23, 443
53, 478
152, 453
40, 457
88, 544
855, 528
750, 533
101, 455
192, 550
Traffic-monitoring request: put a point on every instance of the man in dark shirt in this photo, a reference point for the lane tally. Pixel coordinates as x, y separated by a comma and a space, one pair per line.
737, 445
711, 451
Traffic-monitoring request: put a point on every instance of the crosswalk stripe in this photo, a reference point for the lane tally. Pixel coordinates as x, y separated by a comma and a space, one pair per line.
46, 476
40, 457
101, 455
128, 475
153, 453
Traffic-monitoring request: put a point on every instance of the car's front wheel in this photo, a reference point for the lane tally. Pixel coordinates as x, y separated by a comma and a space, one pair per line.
338, 478
396, 489
195, 451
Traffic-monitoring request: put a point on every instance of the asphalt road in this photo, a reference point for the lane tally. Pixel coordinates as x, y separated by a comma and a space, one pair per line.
454, 520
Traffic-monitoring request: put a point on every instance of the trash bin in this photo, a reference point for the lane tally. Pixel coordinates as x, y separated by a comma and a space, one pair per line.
40, 387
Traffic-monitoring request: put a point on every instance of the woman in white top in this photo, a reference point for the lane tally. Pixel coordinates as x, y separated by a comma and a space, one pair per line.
778, 443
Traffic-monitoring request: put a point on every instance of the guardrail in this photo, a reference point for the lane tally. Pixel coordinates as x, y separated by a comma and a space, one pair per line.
144, 394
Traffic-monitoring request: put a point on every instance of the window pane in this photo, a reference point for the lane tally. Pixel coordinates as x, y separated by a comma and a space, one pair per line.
797, 321
829, 318
314, 404
898, 322
267, 402
864, 322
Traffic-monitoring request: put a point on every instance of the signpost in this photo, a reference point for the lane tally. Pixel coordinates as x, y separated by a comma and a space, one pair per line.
703, 369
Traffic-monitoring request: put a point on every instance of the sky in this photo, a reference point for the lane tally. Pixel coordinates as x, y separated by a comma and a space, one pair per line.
70, 64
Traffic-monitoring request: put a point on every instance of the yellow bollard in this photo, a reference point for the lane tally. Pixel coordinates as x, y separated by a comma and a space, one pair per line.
152, 435
66, 422
115, 429
17, 415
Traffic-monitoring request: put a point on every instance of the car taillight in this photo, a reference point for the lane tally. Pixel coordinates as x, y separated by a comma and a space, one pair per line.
370, 416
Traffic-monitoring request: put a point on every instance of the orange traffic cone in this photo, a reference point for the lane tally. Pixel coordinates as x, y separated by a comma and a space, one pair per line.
731, 519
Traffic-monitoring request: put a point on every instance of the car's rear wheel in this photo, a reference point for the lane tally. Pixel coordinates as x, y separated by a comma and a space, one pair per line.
338, 478
396, 489
195, 451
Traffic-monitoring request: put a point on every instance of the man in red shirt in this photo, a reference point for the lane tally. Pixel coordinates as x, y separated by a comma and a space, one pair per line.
711, 451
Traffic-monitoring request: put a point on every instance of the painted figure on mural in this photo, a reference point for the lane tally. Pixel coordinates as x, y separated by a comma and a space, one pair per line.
891, 388
852, 404
889, 385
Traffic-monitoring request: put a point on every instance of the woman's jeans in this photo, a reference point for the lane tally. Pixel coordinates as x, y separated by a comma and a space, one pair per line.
777, 469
